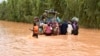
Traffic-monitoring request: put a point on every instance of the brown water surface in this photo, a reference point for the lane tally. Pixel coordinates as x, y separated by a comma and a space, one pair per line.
16, 40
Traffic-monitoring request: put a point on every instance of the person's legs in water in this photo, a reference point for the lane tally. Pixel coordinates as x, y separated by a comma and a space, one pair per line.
35, 35
48, 34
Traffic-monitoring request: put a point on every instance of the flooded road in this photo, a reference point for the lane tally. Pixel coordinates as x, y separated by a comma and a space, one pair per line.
16, 40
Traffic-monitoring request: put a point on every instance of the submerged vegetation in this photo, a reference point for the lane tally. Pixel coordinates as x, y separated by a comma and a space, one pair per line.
88, 11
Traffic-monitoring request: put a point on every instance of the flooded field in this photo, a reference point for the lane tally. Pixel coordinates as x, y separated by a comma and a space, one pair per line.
16, 40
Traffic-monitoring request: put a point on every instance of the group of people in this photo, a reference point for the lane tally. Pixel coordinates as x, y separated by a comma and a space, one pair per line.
53, 25
55, 28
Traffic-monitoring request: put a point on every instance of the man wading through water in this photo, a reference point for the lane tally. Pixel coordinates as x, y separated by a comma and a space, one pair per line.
35, 30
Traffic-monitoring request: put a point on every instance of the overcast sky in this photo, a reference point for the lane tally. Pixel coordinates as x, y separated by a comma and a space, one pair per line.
1, 0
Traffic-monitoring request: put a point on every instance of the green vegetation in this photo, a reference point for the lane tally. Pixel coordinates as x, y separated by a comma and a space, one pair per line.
24, 10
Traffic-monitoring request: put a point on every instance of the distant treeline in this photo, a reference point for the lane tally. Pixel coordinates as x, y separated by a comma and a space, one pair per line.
88, 11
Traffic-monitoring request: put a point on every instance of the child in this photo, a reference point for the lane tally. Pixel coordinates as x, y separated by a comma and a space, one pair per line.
35, 30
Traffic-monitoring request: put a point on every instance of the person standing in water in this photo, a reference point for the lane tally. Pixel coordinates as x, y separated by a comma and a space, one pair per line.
63, 28
70, 28
75, 28
35, 30
48, 30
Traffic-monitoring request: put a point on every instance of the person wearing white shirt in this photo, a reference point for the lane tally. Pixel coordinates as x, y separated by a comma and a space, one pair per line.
70, 28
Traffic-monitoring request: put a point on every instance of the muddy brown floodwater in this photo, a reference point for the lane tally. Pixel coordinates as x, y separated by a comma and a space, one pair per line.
16, 40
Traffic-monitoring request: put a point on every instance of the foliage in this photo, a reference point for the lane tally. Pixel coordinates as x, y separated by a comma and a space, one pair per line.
24, 10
